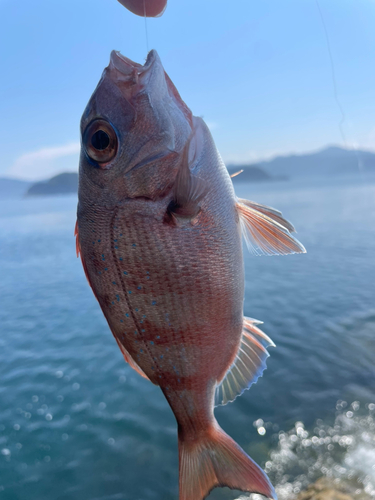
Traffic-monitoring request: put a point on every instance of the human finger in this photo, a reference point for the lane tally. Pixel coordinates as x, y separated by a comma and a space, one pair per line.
148, 8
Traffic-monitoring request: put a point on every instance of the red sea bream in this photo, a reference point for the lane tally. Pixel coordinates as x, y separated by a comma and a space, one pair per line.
159, 232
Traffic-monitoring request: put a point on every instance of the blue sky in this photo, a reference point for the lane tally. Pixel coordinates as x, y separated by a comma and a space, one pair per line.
260, 75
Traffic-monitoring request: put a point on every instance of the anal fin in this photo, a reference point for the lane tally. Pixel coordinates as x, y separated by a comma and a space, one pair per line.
130, 360
266, 231
125, 353
249, 364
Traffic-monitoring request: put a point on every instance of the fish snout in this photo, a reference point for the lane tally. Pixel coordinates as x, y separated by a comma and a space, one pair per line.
125, 71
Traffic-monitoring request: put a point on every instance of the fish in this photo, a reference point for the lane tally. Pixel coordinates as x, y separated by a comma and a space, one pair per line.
159, 231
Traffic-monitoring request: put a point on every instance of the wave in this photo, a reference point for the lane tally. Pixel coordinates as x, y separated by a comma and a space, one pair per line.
343, 452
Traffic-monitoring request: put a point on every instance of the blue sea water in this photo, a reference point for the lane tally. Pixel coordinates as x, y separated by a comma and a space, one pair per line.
76, 423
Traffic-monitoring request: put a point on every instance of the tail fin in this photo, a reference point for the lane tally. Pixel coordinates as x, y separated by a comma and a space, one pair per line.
216, 460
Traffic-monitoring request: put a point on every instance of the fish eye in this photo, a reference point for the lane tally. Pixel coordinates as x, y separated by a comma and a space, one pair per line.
100, 142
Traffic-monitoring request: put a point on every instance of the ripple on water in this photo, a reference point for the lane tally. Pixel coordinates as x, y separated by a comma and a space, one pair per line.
76, 422
343, 452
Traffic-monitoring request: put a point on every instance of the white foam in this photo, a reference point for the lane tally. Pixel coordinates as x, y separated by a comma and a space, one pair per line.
344, 452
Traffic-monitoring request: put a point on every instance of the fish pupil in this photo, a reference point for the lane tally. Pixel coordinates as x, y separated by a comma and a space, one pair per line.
100, 140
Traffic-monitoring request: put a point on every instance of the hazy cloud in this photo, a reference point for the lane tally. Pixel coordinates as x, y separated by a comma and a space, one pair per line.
45, 162
369, 141
211, 125
253, 156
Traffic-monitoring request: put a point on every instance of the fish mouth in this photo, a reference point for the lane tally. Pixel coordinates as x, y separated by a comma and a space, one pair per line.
126, 70
132, 78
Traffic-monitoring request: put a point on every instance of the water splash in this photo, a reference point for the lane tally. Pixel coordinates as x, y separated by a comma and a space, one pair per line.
343, 452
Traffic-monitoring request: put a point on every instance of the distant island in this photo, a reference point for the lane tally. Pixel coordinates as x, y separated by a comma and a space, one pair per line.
253, 174
328, 162
13, 188
67, 183
60, 184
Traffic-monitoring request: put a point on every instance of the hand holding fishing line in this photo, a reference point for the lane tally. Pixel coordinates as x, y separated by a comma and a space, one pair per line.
145, 8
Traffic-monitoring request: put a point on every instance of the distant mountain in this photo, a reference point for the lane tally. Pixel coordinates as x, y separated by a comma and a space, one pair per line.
60, 184
13, 188
68, 182
249, 174
327, 162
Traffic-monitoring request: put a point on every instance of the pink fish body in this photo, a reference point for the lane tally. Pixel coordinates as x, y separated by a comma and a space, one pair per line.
159, 232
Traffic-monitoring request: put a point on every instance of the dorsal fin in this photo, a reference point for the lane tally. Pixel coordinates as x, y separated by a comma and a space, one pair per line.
249, 364
236, 173
266, 231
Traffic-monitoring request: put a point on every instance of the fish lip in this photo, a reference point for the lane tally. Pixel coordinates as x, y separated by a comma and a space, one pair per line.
129, 68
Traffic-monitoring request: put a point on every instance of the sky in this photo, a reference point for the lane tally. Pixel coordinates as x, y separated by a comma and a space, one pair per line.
259, 73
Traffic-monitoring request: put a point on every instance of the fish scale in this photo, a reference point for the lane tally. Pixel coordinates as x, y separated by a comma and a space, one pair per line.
159, 233
162, 293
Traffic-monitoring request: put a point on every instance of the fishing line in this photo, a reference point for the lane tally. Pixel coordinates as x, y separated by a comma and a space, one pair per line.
335, 93
333, 74
144, 13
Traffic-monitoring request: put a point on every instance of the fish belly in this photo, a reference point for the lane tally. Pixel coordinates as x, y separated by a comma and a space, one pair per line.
172, 295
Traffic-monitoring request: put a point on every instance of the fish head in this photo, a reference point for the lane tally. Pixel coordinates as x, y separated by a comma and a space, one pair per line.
133, 132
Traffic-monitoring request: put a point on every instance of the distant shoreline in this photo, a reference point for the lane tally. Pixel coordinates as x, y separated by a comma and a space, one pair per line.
328, 162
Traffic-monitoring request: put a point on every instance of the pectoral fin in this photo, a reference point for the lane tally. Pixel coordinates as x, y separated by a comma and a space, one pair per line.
189, 189
265, 231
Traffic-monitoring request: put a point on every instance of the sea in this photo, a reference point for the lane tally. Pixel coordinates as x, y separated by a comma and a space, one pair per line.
77, 423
